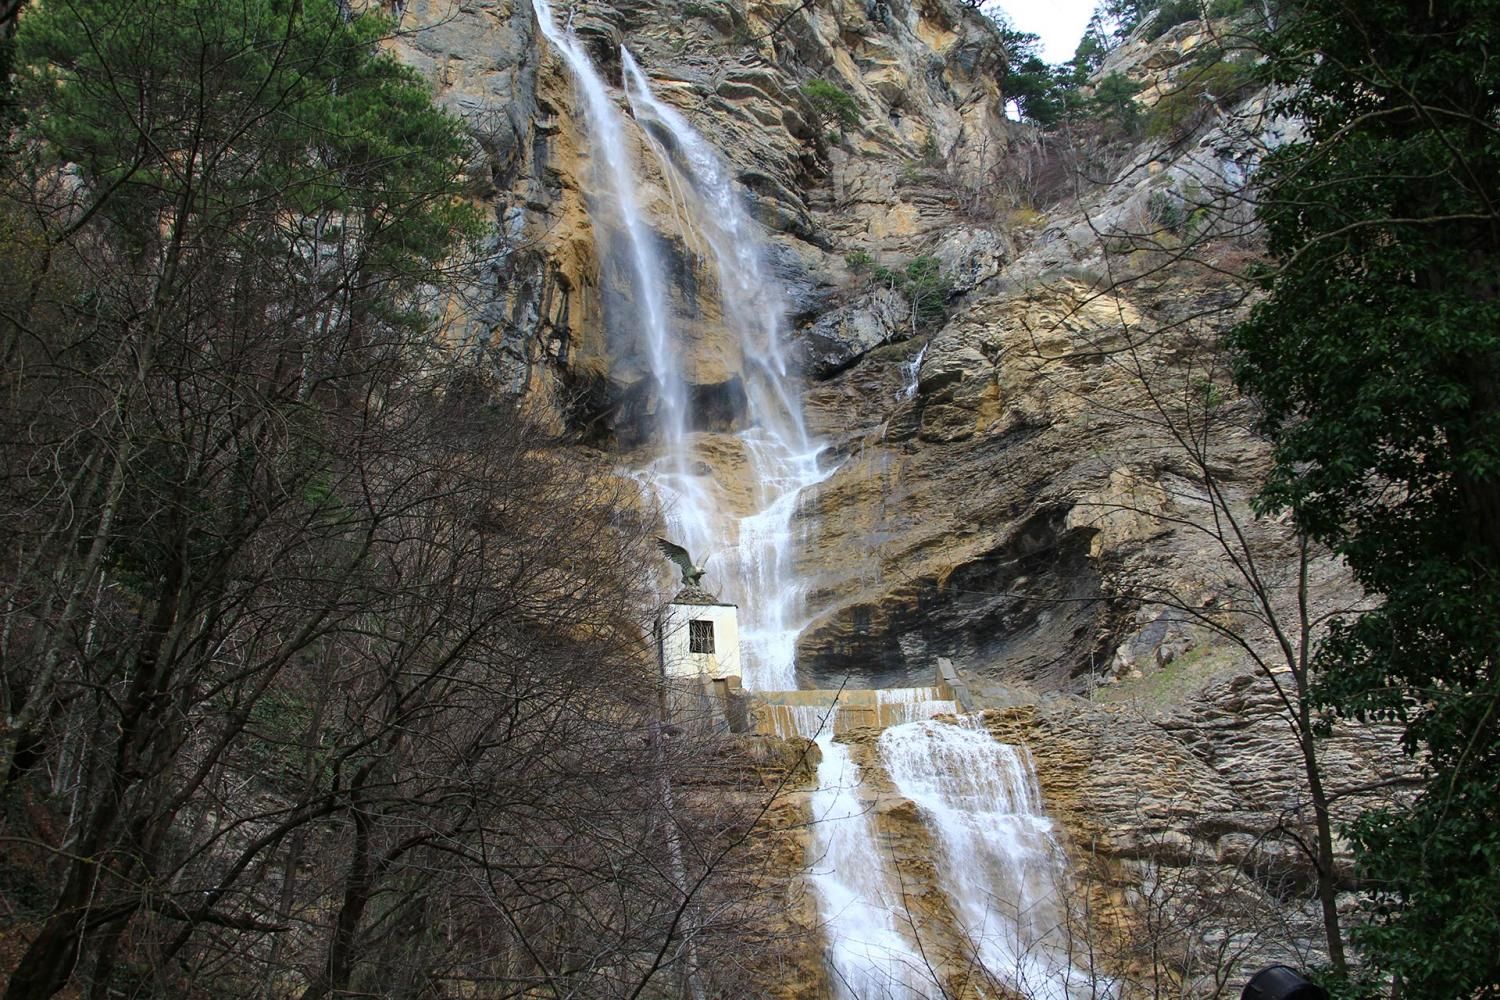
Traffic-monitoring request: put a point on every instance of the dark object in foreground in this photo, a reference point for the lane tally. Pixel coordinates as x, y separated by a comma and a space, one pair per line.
1279, 982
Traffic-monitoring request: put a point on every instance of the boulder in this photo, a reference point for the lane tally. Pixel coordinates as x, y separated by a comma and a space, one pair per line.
843, 336
970, 256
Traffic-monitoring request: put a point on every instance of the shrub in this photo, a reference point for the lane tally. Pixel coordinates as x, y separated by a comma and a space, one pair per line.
1226, 8
1170, 14
924, 286
831, 104
1114, 100
1166, 211
931, 155
1180, 110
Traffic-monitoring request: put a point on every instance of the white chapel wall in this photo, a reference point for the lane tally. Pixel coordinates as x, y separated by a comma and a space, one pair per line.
681, 661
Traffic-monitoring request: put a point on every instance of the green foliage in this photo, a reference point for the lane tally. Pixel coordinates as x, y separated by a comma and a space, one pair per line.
276, 728
1376, 359
1221, 82
923, 284
1047, 95
295, 104
1171, 13
1043, 94
832, 105
1040, 91
1354, 984
1114, 100
859, 261
1092, 48
1166, 211
1035, 87
296, 141
1127, 15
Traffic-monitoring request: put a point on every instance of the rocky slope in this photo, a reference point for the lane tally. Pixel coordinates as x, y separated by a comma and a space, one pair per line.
1035, 484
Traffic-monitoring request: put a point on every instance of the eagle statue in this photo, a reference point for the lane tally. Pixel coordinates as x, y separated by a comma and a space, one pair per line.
691, 575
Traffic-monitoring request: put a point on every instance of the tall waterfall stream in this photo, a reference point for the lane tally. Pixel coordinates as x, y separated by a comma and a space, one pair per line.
998, 864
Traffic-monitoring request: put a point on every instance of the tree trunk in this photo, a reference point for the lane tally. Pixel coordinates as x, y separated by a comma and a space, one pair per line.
39, 697
1327, 882
339, 966
54, 953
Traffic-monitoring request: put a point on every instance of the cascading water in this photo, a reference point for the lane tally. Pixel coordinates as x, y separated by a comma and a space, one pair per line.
616, 207
759, 572
1000, 865
868, 955
751, 298
975, 794
897, 706
911, 375
809, 713
869, 958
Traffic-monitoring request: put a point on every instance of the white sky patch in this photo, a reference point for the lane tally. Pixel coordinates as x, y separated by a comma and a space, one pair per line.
1060, 23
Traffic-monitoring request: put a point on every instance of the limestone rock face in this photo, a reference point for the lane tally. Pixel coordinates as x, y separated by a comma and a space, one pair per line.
845, 334
1192, 810
1027, 486
971, 256
551, 315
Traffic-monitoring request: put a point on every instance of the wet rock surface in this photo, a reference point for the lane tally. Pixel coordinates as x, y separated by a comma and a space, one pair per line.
1004, 491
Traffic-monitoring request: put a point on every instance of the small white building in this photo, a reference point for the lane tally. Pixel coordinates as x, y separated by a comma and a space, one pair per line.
700, 637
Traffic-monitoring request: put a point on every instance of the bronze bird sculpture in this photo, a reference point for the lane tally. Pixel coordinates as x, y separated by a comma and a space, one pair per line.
691, 575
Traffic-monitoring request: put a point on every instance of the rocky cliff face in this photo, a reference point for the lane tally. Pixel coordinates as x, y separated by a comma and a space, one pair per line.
923, 76
1030, 479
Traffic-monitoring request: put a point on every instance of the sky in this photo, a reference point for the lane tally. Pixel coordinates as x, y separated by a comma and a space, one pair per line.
1060, 23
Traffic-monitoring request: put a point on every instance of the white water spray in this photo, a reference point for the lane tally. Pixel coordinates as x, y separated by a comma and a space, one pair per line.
999, 865
760, 574
869, 958
868, 955
898, 706
616, 206
911, 373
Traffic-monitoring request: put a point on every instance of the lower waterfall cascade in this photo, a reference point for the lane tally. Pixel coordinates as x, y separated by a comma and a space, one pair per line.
868, 955
1000, 866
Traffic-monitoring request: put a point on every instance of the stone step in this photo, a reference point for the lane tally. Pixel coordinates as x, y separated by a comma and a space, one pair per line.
791, 713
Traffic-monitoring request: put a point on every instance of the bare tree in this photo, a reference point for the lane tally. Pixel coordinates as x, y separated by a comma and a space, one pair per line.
325, 668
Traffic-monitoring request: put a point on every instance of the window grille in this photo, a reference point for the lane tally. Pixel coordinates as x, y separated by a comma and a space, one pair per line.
700, 637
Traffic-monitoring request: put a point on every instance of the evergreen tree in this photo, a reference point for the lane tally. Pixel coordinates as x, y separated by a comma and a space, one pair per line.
1376, 357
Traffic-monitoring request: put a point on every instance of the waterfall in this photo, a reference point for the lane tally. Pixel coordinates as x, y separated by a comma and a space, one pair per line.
999, 864
759, 572
911, 375
812, 713
897, 706
869, 958
868, 955
614, 204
